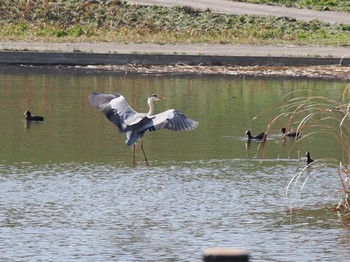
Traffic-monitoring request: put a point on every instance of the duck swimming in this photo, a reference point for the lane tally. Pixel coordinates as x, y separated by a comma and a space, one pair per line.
259, 137
290, 133
309, 160
29, 117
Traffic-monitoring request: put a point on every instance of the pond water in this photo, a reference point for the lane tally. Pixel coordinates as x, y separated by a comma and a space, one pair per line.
69, 192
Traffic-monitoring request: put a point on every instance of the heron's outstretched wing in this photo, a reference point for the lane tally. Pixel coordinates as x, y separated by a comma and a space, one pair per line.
172, 119
116, 109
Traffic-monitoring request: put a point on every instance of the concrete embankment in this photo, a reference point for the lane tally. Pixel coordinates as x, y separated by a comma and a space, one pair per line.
34, 53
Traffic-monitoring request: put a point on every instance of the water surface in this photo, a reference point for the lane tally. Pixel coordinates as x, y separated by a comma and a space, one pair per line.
68, 191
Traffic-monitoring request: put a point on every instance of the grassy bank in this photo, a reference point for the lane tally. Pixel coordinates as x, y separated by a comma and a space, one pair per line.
114, 21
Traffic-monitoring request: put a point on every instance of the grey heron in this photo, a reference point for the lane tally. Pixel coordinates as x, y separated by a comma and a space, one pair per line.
29, 117
259, 137
290, 133
135, 124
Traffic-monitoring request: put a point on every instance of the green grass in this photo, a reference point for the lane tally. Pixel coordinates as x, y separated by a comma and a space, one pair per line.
114, 21
333, 5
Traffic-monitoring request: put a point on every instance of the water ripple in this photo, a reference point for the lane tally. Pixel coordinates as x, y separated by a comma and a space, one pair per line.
170, 212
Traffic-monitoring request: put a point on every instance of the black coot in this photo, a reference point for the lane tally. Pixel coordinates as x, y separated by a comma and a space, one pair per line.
290, 133
29, 117
259, 137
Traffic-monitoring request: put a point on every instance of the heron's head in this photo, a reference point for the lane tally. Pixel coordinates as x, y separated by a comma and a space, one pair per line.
154, 97
27, 113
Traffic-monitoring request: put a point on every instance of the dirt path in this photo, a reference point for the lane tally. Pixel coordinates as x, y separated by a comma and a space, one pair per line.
231, 7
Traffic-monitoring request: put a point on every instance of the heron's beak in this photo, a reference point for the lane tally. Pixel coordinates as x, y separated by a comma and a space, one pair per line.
161, 98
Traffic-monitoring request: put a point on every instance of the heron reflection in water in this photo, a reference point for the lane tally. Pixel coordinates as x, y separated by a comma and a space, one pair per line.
135, 124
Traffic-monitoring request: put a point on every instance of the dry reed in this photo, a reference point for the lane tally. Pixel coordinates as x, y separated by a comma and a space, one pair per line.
324, 115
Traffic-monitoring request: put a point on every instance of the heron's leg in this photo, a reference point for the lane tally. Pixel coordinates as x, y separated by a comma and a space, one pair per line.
133, 155
144, 154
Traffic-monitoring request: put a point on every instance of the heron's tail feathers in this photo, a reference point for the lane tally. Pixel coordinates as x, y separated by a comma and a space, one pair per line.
132, 137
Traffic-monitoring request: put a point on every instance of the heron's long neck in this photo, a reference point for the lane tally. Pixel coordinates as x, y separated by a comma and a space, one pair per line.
151, 108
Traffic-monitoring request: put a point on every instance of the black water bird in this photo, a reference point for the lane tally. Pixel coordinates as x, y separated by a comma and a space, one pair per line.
135, 124
29, 117
285, 133
309, 160
259, 137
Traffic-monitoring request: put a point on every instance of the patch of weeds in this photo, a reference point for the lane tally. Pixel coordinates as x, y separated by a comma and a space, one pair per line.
345, 27
76, 31
60, 33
